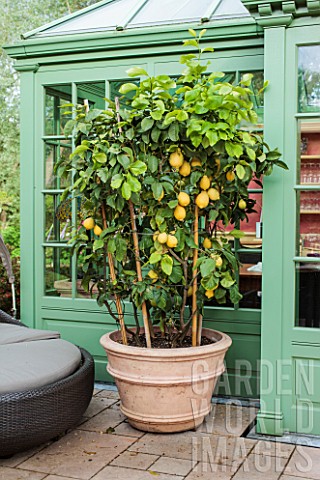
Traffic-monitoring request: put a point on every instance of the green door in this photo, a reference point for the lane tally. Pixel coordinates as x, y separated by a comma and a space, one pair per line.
301, 392
60, 302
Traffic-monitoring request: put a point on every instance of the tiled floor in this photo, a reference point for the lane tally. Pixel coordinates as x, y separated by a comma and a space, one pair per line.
105, 447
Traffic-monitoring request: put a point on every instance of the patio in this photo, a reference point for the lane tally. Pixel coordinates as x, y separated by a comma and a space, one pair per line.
104, 446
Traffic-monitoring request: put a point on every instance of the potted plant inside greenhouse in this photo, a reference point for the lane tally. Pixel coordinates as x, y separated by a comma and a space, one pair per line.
161, 174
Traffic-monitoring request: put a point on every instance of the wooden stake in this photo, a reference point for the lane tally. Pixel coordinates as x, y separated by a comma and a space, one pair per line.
113, 278
195, 284
139, 272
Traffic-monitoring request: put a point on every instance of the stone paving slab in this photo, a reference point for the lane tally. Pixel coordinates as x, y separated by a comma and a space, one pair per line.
104, 446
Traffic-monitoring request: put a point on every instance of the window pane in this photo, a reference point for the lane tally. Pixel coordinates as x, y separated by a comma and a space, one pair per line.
114, 92
57, 272
309, 157
308, 290
309, 78
308, 242
54, 152
250, 277
57, 218
94, 92
252, 226
81, 292
55, 116
257, 98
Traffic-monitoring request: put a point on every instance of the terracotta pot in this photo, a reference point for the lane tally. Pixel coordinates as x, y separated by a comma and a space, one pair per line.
166, 390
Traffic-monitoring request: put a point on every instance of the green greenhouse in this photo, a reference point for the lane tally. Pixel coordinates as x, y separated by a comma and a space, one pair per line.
83, 58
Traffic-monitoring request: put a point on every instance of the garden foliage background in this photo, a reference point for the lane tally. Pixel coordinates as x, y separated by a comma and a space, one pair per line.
17, 17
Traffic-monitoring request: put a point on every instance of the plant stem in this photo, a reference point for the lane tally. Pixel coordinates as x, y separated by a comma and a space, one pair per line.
195, 283
113, 278
139, 272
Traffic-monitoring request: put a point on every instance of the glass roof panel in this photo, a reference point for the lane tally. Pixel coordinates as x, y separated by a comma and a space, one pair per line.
108, 15
168, 11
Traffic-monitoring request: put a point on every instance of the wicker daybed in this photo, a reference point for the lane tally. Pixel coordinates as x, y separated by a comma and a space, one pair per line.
32, 417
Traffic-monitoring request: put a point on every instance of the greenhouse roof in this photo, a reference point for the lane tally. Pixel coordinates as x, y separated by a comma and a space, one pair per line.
109, 15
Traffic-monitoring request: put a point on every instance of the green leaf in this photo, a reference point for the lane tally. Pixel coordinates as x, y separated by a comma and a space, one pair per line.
153, 163
100, 157
117, 180
97, 244
240, 171
207, 267
176, 274
281, 164
166, 264
156, 114
237, 233
202, 32
207, 49
235, 296
69, 126
173, 203
124, 160
128, 87
173, 132
147, 123
134, 183
138, 167
155, 258
157, 190
225, 90
227, 280
192, 43
192, 32
121, 249
251, 153
246, 79
126, 190
136, 72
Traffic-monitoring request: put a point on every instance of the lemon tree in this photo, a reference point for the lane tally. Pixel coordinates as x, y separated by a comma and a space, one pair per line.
157, 178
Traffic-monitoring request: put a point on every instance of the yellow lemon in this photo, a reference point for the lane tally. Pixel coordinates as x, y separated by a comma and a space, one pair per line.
176, 159
97, 230
190, 290
230, 176
202, 200
209, 293
172, 241
214, 194
185, 169
88, 223
180, 213
183, 199
195, 162
207, 243
218, 261
242, 204
205, 182
152, 274
162, 238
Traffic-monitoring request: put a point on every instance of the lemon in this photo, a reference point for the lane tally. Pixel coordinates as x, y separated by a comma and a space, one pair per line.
218, 261
152, 274
97, 230
176, 159
205, 182
209, 293
185, 169
230, 176
195, 162
183, 199
162, 238
190, 291
214, 194
172, 241
202, 199
180, 213
88, 223
242, 204
207, 243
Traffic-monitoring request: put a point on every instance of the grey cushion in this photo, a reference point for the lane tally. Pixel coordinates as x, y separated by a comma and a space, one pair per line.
28, 365
15, 333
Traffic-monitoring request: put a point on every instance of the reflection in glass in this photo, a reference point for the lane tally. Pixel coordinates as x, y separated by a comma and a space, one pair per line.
55, 116
56, 229
309, 155
94, 92
309, 78
57, 271
257, 98
252, 227
250, 276
308, 242
54, 152
81, 291
308, 289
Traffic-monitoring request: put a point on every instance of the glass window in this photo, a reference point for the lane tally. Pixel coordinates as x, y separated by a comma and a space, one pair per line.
55, 116
57, 272
308, 292
54, 152
309, 78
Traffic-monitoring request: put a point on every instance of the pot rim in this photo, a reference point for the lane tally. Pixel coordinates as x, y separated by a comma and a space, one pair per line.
221, 344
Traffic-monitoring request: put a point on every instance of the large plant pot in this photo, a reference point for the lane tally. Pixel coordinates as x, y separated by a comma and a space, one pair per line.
166, 390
